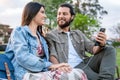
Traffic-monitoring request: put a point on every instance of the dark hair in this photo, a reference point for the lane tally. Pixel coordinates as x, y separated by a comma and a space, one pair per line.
30, 11
72, 12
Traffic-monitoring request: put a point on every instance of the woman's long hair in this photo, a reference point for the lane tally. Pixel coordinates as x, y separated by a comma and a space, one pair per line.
30, 11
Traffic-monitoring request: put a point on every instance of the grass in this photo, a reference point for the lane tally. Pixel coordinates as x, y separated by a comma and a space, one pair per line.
118, 58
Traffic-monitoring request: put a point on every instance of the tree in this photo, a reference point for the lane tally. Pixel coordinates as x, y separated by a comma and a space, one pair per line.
88, 10
89, 13
90, 7
86, 24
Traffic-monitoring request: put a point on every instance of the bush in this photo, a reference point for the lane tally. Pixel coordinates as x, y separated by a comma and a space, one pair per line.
116, 44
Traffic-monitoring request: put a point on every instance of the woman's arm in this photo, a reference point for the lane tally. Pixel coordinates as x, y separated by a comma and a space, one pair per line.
23, 55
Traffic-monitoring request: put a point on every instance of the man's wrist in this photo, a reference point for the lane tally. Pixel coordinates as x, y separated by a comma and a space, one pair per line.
102, 47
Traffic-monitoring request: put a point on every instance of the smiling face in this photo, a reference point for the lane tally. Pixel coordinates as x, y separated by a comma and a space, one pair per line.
64, 17
40, 17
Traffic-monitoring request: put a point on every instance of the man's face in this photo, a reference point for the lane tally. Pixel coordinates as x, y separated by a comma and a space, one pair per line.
63, 17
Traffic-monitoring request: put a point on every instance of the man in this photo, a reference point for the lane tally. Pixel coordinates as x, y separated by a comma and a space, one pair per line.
69, 46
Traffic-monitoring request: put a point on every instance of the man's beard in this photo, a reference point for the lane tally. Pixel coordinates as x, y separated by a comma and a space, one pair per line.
66, 24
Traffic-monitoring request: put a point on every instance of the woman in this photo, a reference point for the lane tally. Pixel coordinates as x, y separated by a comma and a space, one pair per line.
27, 47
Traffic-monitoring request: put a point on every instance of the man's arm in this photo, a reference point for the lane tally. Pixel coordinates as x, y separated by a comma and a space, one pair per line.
97, 49
101, 38
53, 59
52, 50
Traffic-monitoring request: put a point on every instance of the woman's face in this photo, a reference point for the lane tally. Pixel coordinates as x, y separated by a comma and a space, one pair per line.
39, 19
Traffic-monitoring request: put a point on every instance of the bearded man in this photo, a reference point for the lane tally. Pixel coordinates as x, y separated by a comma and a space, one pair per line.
69, 46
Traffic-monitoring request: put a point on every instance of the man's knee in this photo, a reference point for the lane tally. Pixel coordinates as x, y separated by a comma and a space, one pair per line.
110, 50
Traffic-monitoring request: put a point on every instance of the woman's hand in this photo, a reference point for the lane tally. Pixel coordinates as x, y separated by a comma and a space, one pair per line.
62, 67
65, 69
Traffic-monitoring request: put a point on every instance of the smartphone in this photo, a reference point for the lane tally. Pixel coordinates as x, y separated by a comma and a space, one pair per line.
101, 30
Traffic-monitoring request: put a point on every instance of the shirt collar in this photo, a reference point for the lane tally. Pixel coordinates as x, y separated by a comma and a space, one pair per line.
27, 29
61, 31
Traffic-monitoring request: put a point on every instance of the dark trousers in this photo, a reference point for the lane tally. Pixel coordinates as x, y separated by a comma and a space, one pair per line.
100, 66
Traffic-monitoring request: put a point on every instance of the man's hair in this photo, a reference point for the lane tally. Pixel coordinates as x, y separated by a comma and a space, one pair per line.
72, 12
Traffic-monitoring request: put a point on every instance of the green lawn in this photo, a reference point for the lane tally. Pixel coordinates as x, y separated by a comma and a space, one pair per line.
118, 58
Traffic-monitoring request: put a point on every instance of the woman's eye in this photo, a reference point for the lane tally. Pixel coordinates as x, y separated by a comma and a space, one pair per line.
42, 11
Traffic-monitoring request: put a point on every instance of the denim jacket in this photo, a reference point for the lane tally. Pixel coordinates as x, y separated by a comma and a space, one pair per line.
22, 50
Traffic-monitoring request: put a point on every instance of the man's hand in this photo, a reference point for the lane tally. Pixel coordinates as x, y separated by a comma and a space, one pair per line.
62, 67
65, 69
101, 38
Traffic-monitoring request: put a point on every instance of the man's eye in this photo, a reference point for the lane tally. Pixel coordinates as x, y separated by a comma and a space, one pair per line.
64, 13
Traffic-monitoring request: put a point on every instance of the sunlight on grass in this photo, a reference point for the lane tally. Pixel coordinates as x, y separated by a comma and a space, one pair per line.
118, 58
